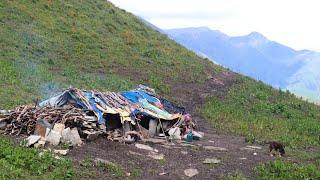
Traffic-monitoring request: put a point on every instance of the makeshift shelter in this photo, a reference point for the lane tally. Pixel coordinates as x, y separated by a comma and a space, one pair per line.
129, 115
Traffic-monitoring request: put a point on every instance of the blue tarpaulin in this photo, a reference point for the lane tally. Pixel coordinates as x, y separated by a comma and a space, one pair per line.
127, 103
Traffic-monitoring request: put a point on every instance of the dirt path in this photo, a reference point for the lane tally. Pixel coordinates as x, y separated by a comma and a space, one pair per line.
178, 157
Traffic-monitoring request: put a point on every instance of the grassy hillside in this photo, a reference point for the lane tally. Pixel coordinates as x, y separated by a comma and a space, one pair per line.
46, 46
262, 113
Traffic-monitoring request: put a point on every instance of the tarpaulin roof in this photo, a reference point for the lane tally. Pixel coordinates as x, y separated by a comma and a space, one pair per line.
127, 104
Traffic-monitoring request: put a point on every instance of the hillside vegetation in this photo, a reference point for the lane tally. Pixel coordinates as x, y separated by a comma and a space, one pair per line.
22, 163
50, 45
262, 113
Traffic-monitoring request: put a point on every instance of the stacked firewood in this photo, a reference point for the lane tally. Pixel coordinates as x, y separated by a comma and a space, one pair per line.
23, 120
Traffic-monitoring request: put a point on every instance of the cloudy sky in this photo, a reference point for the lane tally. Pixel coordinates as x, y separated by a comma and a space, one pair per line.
292, 22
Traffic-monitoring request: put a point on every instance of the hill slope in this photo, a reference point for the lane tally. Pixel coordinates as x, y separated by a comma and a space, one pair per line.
258, 57
49, 45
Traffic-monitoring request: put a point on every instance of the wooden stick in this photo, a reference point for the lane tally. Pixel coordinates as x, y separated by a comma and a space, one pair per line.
21, 113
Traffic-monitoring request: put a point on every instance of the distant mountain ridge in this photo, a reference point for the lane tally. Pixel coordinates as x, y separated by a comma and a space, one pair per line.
258, 57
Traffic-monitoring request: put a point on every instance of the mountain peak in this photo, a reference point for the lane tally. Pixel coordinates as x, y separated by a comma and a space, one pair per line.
256, 35
254, 39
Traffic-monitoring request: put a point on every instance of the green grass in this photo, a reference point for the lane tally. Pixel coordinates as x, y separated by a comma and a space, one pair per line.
261, 113
21, 163
283, 170
50, 45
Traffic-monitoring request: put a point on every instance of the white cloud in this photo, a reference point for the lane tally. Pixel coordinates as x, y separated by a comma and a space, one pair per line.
292, 22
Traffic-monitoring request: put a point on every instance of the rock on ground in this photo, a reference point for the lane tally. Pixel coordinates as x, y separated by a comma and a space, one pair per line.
71, 136
32, 140
211, 161
156, 156
145, 147
62, 152
191, 172
103, 161
215, 148
53, 137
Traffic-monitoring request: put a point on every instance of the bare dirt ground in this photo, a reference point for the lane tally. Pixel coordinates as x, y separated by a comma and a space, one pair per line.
182, 155
178, 157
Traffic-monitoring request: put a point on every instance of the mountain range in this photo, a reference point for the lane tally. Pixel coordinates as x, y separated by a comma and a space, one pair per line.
258, 57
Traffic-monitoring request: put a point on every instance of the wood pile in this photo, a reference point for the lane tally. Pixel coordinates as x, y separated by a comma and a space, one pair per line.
23, 120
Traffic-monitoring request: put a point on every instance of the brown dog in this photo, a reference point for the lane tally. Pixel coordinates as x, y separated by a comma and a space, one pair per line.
278, 147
